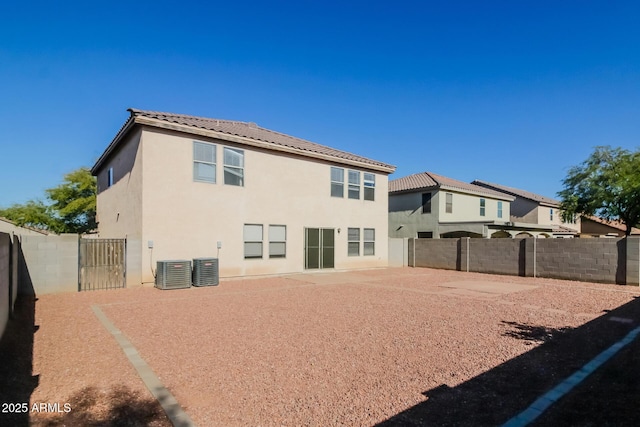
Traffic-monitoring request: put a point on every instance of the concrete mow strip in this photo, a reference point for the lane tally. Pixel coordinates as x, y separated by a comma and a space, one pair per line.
167, 401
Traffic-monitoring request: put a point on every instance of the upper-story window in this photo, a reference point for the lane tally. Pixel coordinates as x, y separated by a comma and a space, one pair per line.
354, 184
483, 205
426, 203
369, 186
499, 209
110, 178
204, 162
551, 214
449, 203
233, 167
337, 182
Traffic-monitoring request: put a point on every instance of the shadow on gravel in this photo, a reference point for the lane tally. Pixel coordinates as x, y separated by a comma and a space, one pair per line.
535, 334
16, 363
120, 406
494, 397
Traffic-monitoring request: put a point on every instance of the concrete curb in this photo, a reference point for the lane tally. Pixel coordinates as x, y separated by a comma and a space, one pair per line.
541, 404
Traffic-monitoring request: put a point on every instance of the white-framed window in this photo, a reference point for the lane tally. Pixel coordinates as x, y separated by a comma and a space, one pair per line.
499, 209
204, 162
277, 241
337, 182
253, 240
483, 205
369, 241
353, 241
354, 184
369, 180
449, 203
233, 166
110, 178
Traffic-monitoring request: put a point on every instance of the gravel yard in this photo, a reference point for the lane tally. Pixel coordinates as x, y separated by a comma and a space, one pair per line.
388, 346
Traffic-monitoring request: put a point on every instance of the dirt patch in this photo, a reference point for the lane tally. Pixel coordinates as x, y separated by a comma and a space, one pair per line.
387, 348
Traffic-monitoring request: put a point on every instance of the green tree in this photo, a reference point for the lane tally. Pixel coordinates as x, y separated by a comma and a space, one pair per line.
607, 184
71, 207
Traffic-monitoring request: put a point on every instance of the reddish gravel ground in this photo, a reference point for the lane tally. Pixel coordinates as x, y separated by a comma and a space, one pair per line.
387, 347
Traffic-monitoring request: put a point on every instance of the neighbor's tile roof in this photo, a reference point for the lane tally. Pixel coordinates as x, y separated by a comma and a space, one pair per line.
426, 180
618, 225
254, 132
560, 229
547, 201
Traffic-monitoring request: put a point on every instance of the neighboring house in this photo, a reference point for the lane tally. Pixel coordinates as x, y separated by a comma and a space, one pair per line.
184, 187
592, 226
427, 205
7, 226
533, 208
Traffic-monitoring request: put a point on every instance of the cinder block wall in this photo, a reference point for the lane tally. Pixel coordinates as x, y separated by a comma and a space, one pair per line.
589, 260
499, 256
50, 264
435, 253
5, 283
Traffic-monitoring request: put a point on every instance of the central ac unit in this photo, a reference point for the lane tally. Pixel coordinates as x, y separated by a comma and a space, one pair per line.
173, 274
205, 272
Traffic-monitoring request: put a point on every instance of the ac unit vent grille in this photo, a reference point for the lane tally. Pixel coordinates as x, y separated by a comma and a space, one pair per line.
173, 274
205, 272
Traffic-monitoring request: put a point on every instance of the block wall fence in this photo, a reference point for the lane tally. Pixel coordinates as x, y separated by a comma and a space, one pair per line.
590, 260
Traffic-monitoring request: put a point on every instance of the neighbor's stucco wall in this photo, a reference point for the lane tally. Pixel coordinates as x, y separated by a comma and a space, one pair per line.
186, 219
406, 218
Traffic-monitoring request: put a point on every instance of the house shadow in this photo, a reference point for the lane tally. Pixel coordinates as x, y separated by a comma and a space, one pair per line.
494, 397
17, 381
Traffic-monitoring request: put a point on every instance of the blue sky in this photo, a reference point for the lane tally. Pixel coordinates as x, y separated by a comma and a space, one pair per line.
512, 92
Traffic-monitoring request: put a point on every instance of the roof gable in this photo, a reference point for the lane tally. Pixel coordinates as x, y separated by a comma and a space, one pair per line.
240, 132
546, 201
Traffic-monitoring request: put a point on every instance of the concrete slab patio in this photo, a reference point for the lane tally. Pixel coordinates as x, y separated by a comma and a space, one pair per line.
341, 348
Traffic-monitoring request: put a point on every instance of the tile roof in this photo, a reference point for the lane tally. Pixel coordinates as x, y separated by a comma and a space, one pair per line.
560, 229
431, 180
246, 130
547, 201
618, 225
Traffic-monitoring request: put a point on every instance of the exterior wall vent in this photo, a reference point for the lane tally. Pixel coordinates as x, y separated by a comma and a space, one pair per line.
205, 272
173, 274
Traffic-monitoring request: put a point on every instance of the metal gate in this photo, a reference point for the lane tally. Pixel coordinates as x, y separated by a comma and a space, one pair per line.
101, 264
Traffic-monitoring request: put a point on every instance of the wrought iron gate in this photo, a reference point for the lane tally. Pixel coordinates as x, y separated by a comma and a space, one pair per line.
101, 264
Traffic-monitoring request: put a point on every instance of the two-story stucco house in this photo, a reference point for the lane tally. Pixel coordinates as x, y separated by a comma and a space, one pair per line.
533, 208
184, 187
427, 205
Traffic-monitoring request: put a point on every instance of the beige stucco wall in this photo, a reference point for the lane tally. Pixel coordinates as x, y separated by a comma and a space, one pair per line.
119, 207
186, 219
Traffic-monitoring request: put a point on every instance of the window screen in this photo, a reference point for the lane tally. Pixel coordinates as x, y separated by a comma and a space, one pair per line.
369, 186
369, 241
353, 237
337, 182
354, 184
277, 241
253, 241
233, 167
204, 162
